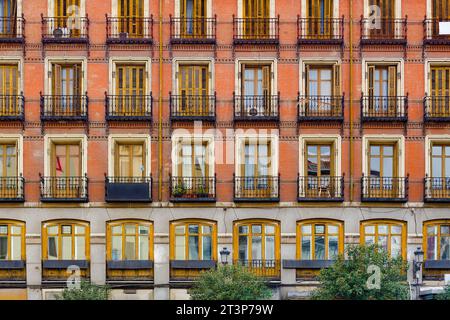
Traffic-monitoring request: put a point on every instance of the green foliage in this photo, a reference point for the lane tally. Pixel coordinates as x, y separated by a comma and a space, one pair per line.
87, 291
231, 282
179, 190
347, 278
445, 295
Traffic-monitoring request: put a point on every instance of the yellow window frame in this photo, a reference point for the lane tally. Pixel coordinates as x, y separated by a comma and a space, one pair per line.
432, 223
10, 223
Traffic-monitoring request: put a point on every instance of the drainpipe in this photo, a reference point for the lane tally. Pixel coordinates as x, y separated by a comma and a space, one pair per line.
160, 146
350, 9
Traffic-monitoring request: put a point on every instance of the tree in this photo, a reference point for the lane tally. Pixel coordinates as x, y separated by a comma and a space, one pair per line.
87, 291
444, 295
355, 278
231, 282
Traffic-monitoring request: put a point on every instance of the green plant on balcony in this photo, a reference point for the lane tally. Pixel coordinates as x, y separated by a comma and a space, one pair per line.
179, 190
201, 191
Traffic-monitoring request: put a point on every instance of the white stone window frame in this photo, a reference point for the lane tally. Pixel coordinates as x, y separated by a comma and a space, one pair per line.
177, 62
17, 139
429, 140
19, 61
322, 61
399, 62
179, 139
431, 62
256, 61
114, 139
48, 73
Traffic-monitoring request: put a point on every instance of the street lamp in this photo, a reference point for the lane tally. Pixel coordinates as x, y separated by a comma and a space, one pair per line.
417, 266
224, 253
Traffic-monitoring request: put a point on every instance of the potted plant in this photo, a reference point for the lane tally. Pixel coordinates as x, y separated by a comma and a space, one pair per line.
201, 192
179, 190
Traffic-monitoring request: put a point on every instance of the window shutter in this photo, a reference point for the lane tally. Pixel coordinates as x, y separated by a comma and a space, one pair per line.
306, 77
337, 80
56, 79
77, 74
370, 81
266, 80
392, 81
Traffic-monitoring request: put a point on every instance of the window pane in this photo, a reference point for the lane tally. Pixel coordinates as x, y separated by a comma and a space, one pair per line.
383, 229
445, 248
143, 230
306, 229
116, 230
306, 248
207, 248
383, 242
180, 252
243, 255
396, 229
143, 247
16, 230
80, 230
180, 229
243, 229
333, 229
319, 247
333, 247
3, 229
206, 229
3, 248
256, 248
52, 248
270, 248
80, 248
193, 248
130, 229
130, 248
193, 228
369, 229
66, 229
432, 247
270, 229
369, 240
66, 248
396, 246
256, 229
116, 250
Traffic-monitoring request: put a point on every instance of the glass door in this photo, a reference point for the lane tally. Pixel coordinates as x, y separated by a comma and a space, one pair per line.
193, 18
193, 90
383, 171
320, 170
131, 14
440, 91
66, 170
66, 89
8, 18
9, 89
130, 90
130, 160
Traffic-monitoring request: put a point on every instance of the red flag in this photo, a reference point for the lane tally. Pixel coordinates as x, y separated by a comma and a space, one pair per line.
58, 165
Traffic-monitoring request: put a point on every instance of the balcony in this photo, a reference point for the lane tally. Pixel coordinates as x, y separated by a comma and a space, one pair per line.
12, 107
256, 107
129, 30
65, 29
269, 270
384, 108
318, 189
55, 271
256, 189
436, 108
128, 189
193, 189
135, 271
437, 189
64, 189
189, 270
193, 107
256, 30
12, 30
320, 30
64, 107
12, 189
193, 30
383, 31
384, 189
128, 107
320, 108
431, 33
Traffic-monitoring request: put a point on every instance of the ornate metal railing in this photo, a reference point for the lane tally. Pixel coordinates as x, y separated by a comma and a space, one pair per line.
128, 107
384, 108
129, 29
12, 29
384, 189
12, 107
437, 189
193, 188
193, 107
323, 188
431, 32
193, 30
64, 107
386, 30
256, 30
320, 30
64, 189
12, 189
436, 108
261, 188
321, 107
256, 107
65, 29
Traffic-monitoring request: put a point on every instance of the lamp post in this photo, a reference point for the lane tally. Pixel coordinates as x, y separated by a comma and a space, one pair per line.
417, 269
224, 253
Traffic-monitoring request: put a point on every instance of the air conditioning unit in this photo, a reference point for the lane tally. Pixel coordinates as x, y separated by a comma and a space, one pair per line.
123, 35
253, 112
61, 33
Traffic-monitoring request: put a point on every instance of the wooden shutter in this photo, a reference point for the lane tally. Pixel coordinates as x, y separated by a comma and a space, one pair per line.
392, 81
56, 80
371, 82
77, 78
306, 79
337, 80
266, 80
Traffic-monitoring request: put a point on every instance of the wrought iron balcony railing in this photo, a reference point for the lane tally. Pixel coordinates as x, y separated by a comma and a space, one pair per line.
384, 31
323, 188
268, 269
128, 107
437, 189
384, 189
256, 30
12, 189
436, 108
128, 189
432, 34
12, 29
320, 30
64, 107
193, 189
256, 189
64, 189
12, 107
256, 107
65, 29
320, 107
192, 107
127, 30
193, 30
384, 108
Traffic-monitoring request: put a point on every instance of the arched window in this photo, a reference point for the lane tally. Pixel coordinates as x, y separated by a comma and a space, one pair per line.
436, 240
320, 239
129, 240
65, 240
12, 240
388, 234
193, 240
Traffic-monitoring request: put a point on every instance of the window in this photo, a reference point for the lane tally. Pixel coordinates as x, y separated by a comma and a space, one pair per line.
66, 86
130, 160
256, 80
320, 13
440, 90
66, 240
130, 240
194, 161
440, 161
436, 241
388, 14
382, 167
193, 240
320, 239
382, 85
441, 9
12, 240
388, 235
193, 13
257, 243
256, 167
193, 90
131, 14
9, 89
8, 17
66, 170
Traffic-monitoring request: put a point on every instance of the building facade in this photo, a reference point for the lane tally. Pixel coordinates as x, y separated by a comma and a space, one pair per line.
140, 138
